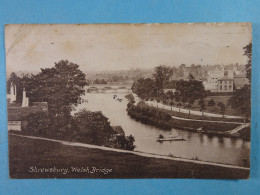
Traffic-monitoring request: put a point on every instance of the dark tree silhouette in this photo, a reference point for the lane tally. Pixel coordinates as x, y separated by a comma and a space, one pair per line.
61, 86
162, 75
248, 53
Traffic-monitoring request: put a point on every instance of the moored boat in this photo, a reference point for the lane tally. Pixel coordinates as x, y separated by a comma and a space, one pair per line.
170, 139
161, 138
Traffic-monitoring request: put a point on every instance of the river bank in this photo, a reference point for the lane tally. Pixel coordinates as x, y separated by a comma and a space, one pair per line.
163, 119
80, 162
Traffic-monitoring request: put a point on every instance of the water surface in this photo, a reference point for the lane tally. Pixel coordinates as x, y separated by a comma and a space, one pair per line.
198, 146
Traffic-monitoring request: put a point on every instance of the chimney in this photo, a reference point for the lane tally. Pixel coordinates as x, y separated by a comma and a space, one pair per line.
12, 93
25, 102
15, 93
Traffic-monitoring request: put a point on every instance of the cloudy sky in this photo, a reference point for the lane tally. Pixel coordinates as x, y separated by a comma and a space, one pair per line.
122, 46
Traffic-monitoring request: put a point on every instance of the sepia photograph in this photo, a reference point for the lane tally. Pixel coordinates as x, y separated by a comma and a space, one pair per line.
128, 101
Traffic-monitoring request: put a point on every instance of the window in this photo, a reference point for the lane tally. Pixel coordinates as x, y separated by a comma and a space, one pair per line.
220, 88
225, 87
230, 87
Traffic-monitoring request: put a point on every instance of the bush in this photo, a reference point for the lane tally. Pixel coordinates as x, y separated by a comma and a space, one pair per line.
92, 128
150, 116
222, 107
130, 98
125, 142
37, 124
211, 102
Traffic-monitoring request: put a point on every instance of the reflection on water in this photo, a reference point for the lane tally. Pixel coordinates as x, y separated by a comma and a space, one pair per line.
199, 146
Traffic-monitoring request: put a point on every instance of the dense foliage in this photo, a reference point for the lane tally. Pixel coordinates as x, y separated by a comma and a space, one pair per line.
148, 115
242, 100
37, 124
101, 81
189, 90
248, 53
84, 126
144, 87
92, 127
61, 86
162, 75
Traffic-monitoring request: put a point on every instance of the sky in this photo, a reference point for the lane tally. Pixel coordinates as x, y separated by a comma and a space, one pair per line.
101, 47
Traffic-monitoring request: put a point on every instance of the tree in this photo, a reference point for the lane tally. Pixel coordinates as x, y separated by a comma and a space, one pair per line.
102, 81
96, 81
191, 77
61, 86
190, 90
92, 127
171, 84
202, 105
37, 124
191, 102
125, 142
162, 76
169, 94
144, 87
248, 53
222, 108
211, 102
241, 100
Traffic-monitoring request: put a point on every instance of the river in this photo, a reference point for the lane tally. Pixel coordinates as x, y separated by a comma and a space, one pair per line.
198, 146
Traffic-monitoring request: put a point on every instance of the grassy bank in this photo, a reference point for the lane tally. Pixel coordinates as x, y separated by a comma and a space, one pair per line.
25, 153
197, 117
150, 116
196, 106
160, 118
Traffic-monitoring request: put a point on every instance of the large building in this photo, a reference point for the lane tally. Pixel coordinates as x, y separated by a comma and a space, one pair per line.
17, 112
212, 80
225, 84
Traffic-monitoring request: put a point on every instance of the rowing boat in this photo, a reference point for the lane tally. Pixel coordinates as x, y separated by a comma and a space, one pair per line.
170, 139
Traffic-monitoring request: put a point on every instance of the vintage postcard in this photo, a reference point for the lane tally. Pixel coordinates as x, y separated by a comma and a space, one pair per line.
129, 100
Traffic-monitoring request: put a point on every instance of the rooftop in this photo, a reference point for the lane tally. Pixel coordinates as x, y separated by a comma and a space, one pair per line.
17, 113
226, 78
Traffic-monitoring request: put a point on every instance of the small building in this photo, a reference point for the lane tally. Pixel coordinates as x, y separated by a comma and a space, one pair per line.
240, 80
225, 84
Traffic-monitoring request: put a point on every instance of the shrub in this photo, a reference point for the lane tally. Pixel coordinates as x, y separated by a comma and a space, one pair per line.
211, 102
37, 124
92, 127
125, 142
